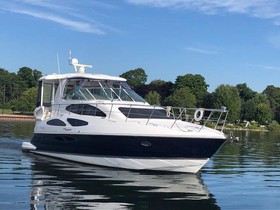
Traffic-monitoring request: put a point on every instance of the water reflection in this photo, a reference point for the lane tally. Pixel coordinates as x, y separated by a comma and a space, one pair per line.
31, 181
246, 175
255, 152
60, 184
242, 175
16, 129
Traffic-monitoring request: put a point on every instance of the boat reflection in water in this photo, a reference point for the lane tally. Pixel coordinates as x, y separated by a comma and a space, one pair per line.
58, 184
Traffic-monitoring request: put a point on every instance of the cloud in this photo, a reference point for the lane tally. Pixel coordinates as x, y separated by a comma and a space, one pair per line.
264, 9
52, 11
72, 24
269, 68
200, 50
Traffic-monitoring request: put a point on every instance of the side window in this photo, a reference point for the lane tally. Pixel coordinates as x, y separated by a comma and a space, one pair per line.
47, 94
77, 122
85, 109
56, 122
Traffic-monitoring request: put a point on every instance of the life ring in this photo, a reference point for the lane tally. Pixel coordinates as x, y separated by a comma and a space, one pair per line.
198, 114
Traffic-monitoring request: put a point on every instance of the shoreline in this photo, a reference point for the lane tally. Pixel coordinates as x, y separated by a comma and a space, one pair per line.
16, 117
30, 118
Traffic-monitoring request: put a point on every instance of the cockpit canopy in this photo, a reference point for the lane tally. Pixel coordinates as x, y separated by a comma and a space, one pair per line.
54, 90
91, 89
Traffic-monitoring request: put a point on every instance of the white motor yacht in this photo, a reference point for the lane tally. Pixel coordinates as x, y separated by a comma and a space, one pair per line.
98, 119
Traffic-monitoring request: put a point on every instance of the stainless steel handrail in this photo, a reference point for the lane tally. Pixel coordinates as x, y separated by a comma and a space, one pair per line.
215, 117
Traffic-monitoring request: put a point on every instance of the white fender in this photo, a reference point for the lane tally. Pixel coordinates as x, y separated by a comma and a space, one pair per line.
39, 113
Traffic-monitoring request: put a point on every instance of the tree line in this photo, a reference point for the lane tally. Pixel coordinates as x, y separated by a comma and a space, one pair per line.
190, 90
18, 91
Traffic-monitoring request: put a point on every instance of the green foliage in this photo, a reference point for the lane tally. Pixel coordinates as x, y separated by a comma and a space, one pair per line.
257, 109
274, 126
248, 110
153, 98
27, 101
135, 77
30, 77
161, 87
157, 82
196, 83
13, 85
6, 111
17, 92
228, 96
263, 113
182, 97
273, 95
245, 92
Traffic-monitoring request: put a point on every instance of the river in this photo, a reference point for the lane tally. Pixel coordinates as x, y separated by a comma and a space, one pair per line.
242, 175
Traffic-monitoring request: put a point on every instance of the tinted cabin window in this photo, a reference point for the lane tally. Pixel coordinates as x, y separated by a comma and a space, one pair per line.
77, 122
85, 109
56, 122
144, 113
47, 94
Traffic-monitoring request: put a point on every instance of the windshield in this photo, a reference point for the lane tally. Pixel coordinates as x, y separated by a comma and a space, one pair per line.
89, 89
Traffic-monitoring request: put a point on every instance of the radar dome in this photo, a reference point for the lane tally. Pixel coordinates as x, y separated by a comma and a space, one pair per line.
74, 61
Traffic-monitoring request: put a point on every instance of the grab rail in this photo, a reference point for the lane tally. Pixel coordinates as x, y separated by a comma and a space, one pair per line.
214, 118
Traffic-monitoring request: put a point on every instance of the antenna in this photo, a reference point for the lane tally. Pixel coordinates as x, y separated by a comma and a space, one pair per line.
58, 65
70, 57
79, 68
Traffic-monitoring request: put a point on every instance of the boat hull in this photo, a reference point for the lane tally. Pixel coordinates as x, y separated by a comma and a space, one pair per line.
130, 152
184, 165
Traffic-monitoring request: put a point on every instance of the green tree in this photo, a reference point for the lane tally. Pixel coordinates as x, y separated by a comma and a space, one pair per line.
4, 83
182, 97
29, 76
26, 102
11, 87
162, 87
273, 95
135, 77
245, 92
263, 113
153, 98
274, 126
228, 96
254, 108
157, 82
196, 83
248, 110
26, 75
36, 75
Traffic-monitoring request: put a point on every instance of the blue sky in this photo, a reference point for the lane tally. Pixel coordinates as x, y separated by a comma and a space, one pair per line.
226, 41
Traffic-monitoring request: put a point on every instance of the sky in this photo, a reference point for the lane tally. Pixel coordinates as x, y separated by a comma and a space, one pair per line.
226, 41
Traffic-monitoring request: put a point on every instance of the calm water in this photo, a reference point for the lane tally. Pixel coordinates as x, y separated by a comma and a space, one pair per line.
244, 175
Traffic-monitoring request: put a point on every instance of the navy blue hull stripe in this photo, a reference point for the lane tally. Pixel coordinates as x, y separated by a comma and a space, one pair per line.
127, 146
